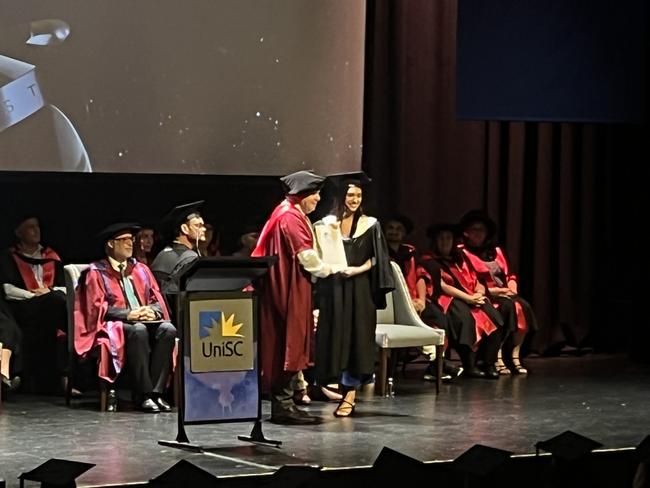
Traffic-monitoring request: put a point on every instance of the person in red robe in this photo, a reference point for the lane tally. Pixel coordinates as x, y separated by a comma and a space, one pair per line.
490, 263
34, 288
119, 308
475, 327
286, 312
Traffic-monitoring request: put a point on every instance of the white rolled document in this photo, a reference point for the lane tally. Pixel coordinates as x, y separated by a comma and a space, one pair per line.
330, 243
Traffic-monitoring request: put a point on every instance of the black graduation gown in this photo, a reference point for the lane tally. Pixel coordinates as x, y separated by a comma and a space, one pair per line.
345, 336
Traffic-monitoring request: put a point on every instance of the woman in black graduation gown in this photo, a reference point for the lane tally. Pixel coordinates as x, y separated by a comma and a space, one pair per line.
348, 301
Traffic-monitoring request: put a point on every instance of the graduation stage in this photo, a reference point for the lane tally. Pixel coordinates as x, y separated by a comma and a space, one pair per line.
603, 397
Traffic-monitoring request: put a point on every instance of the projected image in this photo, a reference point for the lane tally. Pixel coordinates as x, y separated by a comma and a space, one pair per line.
233, 87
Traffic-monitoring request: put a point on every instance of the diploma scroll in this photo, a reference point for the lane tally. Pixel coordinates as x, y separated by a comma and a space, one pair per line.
330, 244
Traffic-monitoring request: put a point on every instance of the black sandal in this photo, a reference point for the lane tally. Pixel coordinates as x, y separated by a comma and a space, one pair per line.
344, 406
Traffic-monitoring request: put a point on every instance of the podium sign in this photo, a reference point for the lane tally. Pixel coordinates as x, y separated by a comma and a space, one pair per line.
224, 386
221, 335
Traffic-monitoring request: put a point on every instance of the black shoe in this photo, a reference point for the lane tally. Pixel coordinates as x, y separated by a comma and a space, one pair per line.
163, 405
292, 416
430, 374
111, 401
149, 406
451, 369
491, 372
474, 373
11, 384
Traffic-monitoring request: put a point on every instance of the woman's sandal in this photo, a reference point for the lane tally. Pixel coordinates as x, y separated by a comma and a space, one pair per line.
517, 368
300, 397
345, 409
502, 369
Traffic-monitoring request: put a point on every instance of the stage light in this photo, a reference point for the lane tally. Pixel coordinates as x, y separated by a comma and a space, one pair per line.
184, 473
59, 473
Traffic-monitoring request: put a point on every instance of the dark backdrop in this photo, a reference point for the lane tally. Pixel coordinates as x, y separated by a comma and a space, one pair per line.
569, 198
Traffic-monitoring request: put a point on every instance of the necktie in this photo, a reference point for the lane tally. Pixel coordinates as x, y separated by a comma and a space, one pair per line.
128, 289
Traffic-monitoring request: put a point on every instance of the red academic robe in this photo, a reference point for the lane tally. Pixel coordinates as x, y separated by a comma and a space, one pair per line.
486, 277
286, 319
100, 290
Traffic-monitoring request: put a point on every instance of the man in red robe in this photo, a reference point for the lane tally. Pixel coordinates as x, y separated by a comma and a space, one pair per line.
286, 312
119, 308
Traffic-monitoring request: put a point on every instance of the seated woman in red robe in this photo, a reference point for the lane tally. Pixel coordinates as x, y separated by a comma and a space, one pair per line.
490, 263
475, 327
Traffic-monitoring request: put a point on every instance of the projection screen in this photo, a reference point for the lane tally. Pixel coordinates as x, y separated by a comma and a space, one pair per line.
232, 87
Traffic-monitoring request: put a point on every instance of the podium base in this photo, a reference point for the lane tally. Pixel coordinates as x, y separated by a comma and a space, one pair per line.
257, 436
182, 445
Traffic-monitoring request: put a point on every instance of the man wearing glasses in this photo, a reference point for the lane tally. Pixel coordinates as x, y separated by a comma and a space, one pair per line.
188, 229
119, 307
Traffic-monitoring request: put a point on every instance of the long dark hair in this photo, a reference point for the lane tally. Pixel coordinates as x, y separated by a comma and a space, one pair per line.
339, 208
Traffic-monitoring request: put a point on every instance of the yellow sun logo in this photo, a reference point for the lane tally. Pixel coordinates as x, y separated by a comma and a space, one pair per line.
228, 328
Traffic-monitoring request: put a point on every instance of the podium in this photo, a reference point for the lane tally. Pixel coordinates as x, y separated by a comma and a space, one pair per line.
217, 373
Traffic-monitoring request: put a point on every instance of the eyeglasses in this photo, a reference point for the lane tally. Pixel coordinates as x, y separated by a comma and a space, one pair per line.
125, 239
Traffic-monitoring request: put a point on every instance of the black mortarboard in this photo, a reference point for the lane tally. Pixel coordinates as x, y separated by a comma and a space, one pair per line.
435, 229
181, 214
478, 215
296, 475
568, 446
21, 216
480, 460
184, 473
56, 472
302, 182
402, 219
356, 178
390, 461
643, 449
110, 231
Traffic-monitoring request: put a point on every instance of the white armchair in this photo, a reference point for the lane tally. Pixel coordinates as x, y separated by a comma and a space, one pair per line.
400, 326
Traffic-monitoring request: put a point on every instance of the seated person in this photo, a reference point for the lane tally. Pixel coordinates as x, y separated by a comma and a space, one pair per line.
186, 225
491, 265
34, 287
119, 307
144, 241
475, 327
247, 242
420, 287
10, 342
209, 246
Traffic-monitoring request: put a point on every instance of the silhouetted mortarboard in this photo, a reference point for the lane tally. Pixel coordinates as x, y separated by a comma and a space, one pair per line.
435, 229
478, 215
568, 446
56, 472
344, 180
184, 473
480, 460
390, 461
113, 230
643, 449
402, 219
305, 181
181, 214
289, 476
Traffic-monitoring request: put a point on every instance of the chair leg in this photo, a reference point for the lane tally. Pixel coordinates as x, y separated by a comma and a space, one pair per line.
380, 385
440, 357
103, 396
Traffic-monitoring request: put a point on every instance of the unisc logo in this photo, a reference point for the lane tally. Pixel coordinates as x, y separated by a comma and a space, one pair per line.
219, 335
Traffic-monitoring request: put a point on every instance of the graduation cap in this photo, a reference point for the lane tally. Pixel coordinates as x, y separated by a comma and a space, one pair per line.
56, 473
480, 460
643, 449
345, 180
180, 214
434, 229
117, 228
389, 462
294, 476
478, 215
402, 219
184, 473
305, 181
568, 446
